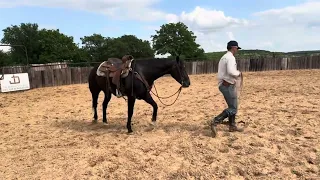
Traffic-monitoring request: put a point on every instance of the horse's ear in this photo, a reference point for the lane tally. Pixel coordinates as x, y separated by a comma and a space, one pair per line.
177, 59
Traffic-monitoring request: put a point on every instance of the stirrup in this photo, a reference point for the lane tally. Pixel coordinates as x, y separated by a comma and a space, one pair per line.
118, 93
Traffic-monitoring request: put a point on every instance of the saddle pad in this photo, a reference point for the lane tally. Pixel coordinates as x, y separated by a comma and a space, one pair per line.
101, 71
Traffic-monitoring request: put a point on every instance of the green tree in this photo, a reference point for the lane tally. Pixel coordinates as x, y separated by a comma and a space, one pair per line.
26, 34
42, 46
99, 48
95, 46
138, 48
56, 46
4, 58
177, 40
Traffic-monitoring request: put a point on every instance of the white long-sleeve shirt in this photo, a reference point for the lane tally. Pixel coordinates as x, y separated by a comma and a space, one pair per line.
227, 68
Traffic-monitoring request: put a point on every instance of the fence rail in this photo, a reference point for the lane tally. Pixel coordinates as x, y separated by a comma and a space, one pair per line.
50, 75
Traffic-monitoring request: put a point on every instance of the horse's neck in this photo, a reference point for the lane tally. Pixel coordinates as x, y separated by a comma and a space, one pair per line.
153, 73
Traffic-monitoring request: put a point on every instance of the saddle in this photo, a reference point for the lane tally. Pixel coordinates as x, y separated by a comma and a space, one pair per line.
116, 69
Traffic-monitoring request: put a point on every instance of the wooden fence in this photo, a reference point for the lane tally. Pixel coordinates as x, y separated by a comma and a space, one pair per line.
50, 75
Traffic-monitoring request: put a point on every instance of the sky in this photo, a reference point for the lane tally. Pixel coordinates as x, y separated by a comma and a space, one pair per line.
274, 25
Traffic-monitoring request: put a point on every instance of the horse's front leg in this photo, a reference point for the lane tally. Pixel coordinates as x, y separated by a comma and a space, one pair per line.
131, 102
150, 101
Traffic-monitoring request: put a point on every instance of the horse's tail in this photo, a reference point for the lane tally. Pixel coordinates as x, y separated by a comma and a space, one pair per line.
2, 74
92, 78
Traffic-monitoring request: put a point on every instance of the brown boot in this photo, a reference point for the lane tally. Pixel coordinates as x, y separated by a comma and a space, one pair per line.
217, 120
232, 124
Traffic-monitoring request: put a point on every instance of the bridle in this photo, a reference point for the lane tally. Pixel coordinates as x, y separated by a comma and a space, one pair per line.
150, 88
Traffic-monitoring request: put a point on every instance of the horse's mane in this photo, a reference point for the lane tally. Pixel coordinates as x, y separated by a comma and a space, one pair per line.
154, 61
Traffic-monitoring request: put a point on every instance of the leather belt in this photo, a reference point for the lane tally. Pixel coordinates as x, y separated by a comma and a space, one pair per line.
225, 83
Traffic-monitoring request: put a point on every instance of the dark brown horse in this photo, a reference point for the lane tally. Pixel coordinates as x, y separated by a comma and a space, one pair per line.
137, 84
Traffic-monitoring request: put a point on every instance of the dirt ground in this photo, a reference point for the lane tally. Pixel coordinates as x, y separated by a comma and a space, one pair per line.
47, 133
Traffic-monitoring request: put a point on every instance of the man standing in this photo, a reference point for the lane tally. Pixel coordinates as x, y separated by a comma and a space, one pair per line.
227, 76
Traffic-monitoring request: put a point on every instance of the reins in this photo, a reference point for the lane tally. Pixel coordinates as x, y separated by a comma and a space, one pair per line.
179, 90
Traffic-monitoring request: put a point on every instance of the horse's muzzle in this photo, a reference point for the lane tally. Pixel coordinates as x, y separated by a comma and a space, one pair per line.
185, 84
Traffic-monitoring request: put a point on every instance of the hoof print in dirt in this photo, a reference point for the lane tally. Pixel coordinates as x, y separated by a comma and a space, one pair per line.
213, 131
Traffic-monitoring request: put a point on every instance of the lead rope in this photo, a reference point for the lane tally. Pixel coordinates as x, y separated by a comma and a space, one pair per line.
241, 87
179, 90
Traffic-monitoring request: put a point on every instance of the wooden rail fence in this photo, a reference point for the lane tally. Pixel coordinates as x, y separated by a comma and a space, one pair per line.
50, 75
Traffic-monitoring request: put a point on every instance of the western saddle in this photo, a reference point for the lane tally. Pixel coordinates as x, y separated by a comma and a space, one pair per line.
116, 69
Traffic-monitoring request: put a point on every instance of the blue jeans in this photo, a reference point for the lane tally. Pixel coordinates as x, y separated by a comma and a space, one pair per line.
230, 96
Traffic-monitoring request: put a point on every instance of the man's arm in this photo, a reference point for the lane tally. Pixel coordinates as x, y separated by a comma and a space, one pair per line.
232, 67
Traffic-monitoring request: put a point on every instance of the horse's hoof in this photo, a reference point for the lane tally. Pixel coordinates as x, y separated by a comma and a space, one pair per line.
94, 121
153, 123
105, 123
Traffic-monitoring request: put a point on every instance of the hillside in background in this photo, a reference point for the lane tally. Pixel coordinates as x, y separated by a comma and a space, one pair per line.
261, 53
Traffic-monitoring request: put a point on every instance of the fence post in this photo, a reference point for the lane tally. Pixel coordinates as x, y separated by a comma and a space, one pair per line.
284, 63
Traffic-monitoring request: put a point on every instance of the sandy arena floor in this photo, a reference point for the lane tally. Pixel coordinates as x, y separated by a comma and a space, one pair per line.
47, 133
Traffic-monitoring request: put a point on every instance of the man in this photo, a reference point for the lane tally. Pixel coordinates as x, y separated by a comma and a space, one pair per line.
227, 76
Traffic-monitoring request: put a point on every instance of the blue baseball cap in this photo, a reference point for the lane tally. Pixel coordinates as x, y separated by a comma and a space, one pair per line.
233, 43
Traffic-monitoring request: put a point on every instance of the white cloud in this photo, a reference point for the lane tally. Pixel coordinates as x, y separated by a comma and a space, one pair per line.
212, 27
230, 35
286, 29
118, 9
206, 20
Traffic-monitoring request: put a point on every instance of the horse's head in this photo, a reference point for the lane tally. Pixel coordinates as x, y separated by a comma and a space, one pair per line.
179, 73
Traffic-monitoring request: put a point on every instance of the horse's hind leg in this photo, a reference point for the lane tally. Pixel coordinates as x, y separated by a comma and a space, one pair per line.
95, 95
107, 97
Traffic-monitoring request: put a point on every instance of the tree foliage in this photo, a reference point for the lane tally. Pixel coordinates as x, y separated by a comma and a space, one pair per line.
94, 47
42, 46
4, 58
26, 35
56, 46
45, 46
99, 47
177, 40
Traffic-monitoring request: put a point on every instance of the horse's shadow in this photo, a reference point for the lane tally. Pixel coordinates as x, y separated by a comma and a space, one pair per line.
118, 126
87, 126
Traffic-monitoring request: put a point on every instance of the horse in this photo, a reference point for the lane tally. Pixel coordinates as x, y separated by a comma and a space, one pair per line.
137, 84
